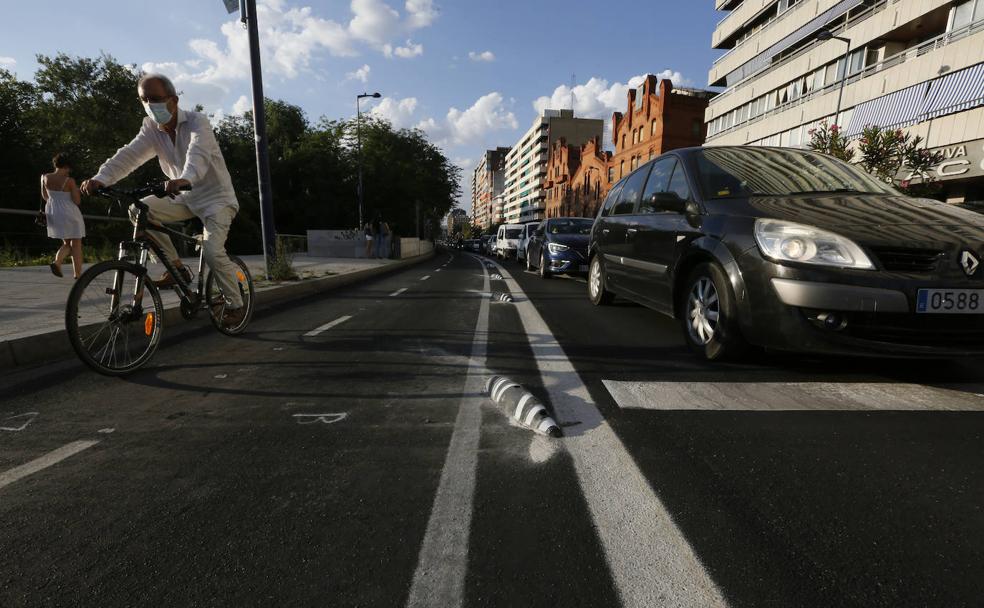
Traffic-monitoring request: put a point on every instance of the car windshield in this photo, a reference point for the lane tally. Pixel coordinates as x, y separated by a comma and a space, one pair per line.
744, 172
570, 226
513, 233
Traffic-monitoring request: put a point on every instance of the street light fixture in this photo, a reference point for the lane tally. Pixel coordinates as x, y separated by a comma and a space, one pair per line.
358, 136
823, 36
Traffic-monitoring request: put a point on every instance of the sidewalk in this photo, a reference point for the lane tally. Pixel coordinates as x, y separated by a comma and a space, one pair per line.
32, 300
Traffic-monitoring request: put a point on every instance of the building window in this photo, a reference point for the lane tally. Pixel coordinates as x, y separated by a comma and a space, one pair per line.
623, 140
621, 168
653, 132
611, 174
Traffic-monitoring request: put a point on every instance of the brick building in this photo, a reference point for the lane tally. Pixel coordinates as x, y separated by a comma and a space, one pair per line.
658, 118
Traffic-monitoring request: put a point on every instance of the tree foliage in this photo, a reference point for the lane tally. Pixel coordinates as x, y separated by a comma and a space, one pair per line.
88, 108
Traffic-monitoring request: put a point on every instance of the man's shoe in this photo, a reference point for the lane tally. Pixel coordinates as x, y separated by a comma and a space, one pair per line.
233, 317
167, 280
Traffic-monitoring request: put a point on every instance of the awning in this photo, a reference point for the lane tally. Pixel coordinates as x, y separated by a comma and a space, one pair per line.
899, 109
955, 92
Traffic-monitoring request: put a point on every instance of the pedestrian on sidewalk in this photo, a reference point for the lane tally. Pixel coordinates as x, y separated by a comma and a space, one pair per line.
377, 236
62, 214
383, 246
367, 230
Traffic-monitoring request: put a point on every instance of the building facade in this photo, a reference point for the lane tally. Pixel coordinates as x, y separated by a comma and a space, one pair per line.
657, 118
488, 183
457, 220
916, 65
526, 162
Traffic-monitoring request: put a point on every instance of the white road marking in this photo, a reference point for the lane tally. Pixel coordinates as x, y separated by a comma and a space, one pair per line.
18, 422
397, 292
439, 580
221, 376
439, 269
425, 278
327, 326
324, 418
106, 431
49, 459
789, 396
650, 560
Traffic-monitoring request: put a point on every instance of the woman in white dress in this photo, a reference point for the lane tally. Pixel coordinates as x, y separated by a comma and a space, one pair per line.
63, 215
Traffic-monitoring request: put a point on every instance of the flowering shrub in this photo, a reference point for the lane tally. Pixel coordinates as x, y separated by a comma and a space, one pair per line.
829, 139
885, 153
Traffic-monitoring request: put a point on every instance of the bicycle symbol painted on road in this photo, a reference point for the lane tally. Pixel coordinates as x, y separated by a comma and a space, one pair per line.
322, 418
22, 420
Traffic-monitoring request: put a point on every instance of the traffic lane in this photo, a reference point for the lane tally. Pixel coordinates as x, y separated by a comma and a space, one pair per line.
234, 497
792, 508
533, 542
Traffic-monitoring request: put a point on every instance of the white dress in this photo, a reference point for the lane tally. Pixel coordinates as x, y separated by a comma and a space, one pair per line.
64, 216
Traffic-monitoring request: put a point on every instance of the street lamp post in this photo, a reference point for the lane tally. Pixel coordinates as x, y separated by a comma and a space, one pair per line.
824, 35
358, 137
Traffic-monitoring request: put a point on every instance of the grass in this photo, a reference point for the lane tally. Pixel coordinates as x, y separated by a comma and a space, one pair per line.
282, 264
12, 257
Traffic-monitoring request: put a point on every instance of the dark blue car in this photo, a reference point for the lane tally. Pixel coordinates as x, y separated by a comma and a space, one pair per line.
560, 245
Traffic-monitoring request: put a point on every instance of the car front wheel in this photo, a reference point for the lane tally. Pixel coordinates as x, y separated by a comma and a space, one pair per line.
529, 261
710, 315
596, 283
544, 266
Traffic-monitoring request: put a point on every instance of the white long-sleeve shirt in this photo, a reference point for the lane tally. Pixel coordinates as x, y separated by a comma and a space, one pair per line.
194, 156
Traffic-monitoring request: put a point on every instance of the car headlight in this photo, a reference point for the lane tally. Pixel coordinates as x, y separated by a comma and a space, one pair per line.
557, 247
784, 241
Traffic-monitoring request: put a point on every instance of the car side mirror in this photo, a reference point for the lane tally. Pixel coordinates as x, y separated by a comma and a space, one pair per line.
669, 201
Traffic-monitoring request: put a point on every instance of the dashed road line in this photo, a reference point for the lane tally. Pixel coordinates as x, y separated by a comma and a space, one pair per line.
424, 278
397, 292
327, 326
439, 580
649, 558
49, 459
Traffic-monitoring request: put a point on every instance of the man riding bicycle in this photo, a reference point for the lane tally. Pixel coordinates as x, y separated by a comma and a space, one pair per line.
189, 155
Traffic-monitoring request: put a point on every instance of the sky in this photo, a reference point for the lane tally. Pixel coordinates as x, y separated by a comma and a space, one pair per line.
472, 74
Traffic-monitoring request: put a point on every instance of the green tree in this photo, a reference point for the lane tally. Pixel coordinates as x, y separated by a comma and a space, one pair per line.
829, 139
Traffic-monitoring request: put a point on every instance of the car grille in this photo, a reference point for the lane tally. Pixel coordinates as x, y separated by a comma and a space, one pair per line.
908, 260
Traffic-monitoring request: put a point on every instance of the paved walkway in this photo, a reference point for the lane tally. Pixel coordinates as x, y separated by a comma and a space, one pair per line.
32, 300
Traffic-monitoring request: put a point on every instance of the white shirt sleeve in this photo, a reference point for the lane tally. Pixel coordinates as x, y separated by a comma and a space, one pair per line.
201, 146
128, 158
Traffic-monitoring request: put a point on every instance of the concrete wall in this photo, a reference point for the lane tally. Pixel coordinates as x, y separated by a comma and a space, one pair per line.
351, 244
412, 247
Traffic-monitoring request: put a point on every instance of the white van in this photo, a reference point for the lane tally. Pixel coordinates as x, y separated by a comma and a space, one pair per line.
507, 241
524, 241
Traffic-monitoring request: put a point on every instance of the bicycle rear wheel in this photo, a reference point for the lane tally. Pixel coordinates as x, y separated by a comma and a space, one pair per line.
217, 301
114, 318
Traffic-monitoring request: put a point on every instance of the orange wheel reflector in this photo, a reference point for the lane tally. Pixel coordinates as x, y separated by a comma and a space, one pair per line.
149, 324
241, 276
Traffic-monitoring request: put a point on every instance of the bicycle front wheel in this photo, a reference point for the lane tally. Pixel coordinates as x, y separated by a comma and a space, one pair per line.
114, 318
218, 301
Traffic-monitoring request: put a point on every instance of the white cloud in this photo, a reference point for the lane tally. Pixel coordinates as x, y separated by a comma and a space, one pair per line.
405, 52
399, 112
291, 38
242, 105
8, 63
361, 74
487, 56
459, 127
597, 98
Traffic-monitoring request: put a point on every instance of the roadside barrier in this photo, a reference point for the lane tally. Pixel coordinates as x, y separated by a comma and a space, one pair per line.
502, 297
520, 405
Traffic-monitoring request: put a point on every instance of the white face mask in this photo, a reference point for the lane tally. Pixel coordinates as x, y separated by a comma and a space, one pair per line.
159, 112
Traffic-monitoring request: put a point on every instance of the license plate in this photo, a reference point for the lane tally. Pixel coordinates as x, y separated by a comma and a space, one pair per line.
950, 301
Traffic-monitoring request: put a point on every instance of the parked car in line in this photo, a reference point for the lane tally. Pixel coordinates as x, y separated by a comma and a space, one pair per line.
507, 240
560, 245
791, 250
473, 245
487, 244
524, 241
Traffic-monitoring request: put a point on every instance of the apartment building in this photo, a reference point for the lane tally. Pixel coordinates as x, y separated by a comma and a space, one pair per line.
488, 183
658, 117
526, 162
910, 64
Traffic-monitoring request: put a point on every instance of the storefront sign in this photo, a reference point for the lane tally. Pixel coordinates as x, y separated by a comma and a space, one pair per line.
960, 161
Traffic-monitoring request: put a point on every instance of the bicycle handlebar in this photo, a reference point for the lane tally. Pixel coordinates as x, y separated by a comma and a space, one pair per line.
157, 189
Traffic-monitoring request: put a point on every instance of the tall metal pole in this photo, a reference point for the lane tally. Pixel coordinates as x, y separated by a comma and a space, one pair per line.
259, 129
358, 137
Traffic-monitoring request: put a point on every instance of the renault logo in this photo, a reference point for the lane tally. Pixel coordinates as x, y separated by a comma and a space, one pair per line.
969, 263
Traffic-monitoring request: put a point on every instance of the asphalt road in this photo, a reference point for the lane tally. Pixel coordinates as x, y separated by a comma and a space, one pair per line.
363, 466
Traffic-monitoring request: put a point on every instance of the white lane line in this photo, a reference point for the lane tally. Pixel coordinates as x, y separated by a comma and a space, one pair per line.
650, 560
439, 580
789, 396
439, 269
327, 326
424, 278
38, 464
397, 292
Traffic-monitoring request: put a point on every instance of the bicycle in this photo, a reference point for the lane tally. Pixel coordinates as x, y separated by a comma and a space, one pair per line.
112, 328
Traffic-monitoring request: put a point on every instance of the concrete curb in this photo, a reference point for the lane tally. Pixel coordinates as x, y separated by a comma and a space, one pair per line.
54, 345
